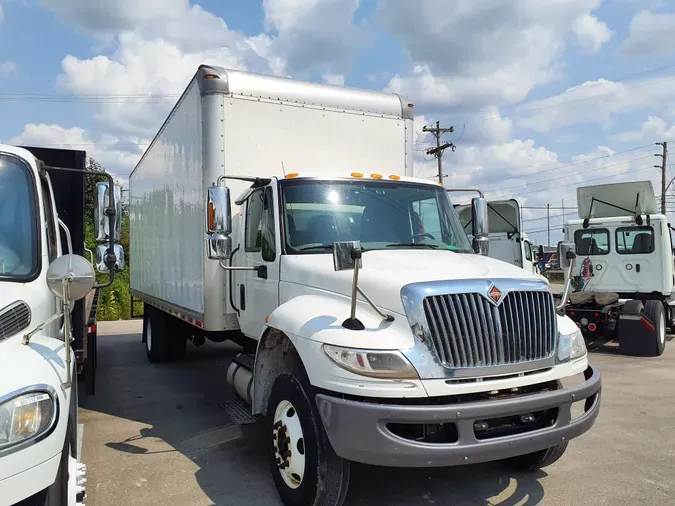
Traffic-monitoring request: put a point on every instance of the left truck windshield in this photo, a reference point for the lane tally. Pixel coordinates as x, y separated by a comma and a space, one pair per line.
18, 230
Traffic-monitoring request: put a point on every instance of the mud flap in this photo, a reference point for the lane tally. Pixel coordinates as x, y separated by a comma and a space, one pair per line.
637, 335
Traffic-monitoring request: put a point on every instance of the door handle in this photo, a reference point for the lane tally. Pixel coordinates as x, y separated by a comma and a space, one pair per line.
637, 267
242, 297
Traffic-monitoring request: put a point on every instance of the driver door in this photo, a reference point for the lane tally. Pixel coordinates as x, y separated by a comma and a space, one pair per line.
256, 293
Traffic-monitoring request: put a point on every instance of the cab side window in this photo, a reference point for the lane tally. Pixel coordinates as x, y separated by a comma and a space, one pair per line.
528, 251
260, 224
50, 221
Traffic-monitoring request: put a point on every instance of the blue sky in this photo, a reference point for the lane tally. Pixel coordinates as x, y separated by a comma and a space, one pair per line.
544, 95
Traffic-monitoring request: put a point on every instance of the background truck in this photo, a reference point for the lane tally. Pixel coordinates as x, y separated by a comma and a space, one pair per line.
622, 287
508, 242
42, 244
373, 331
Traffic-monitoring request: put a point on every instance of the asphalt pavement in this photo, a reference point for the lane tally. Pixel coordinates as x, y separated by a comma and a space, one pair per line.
156, 434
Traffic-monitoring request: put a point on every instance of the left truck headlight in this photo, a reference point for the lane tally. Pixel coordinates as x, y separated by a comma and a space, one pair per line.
26, 416
372, 363
571, 346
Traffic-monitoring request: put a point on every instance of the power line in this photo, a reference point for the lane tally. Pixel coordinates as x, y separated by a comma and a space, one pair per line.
568, 175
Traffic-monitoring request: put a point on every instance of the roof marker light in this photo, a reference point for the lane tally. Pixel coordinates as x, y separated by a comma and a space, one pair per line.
291, 175
376, 176
356, 174
394, 177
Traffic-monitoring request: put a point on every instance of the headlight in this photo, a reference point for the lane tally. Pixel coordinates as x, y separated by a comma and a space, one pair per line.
571, 346
25, 417
376, 364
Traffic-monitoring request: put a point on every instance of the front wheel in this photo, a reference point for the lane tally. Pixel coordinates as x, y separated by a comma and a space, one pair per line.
537, 460
305, 468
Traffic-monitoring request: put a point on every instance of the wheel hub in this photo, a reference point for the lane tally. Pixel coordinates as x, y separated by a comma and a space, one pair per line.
289, 444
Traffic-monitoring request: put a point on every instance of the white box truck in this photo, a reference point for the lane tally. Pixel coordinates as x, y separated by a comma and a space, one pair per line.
372, 330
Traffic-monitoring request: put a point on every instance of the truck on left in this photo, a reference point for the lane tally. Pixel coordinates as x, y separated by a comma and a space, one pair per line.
48, 299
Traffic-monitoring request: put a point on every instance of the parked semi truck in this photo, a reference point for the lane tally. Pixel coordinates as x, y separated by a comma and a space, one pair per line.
282, 215
48, 305
622, 287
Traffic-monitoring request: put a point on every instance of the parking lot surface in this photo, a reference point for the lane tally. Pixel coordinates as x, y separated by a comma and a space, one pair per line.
157, 434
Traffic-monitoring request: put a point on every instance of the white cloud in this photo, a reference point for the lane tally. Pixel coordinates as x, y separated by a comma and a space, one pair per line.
650, 34
597, 102
591, 33
117, 155
654, 129
480, 52
314, 34
8, 68
337, 79
140, 68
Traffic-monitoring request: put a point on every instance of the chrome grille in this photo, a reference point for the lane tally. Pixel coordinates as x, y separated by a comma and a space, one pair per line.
14, 318
467, 330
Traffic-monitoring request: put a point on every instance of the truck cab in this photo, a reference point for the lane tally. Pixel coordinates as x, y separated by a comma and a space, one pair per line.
625, 266
508, 242
45, 301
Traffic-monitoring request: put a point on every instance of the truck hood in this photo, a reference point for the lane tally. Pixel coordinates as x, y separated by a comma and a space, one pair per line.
384, 273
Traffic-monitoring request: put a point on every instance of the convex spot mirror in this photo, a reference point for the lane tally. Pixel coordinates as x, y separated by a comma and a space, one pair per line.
218, 222
102, 260
78, 274
101, 220
566, 253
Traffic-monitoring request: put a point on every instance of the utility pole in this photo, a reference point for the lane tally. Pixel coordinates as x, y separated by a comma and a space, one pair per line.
438, 150
548, 222
663, 175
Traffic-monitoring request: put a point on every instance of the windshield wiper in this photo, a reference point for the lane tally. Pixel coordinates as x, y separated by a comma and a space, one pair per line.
318, 246
412, 245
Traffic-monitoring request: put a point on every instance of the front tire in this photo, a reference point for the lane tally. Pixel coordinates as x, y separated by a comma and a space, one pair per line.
305, 468
536, 460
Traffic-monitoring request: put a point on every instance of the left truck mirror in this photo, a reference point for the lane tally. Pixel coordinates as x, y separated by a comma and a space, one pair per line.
218, 222
101, 221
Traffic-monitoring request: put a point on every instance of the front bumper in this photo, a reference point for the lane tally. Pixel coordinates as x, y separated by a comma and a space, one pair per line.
358, 430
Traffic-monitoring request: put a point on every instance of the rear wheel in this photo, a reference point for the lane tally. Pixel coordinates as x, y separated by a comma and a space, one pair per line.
305, 468
155, 335
655, 311
537, 460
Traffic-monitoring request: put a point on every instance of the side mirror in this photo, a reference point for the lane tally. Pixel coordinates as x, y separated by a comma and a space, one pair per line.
566, 253
218, 218
70, 277
345, 254
102, 258
218, 223
101, 221
479, 222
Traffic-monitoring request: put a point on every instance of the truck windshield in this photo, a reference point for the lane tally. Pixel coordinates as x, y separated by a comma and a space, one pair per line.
380, 214
18, 231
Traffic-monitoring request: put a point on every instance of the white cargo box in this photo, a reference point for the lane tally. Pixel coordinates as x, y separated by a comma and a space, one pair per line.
238, 123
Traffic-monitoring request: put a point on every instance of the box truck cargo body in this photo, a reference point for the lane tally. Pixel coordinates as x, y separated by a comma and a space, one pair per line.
228, 123
284, 216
